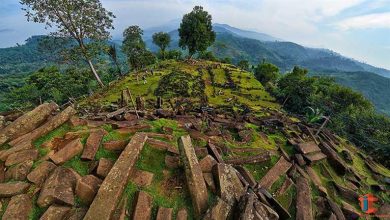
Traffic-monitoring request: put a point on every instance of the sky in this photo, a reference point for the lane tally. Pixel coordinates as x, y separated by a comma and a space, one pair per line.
358, 29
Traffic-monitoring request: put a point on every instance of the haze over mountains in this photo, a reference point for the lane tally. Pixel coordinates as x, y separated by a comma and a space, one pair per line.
239, 44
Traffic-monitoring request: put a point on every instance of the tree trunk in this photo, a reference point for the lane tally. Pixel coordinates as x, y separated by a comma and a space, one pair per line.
95, 73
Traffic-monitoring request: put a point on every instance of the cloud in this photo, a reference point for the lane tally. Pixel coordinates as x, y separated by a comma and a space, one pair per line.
370, 21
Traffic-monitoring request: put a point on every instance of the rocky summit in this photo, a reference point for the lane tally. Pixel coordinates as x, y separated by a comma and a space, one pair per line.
213, 145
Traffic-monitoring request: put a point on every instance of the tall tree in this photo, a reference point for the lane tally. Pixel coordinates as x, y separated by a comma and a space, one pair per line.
80, 20
134, 47
196, 31
162, 40
266, 72
114, 56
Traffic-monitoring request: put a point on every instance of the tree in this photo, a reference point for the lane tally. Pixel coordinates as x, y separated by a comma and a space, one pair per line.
243, 64
162, 40
266, 72
79, 20
134, 47
196, 31
114, 56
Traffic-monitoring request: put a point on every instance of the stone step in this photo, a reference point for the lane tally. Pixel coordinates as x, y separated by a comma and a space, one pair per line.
105, 202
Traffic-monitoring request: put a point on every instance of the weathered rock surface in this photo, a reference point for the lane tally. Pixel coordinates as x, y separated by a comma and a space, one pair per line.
112, 187
229, 186
164, 213
132, 129
68, 152
58, 188
115, 145
141, 177
249, 159
207, 163
172, 161
41, 172
76, 214
334, 159
347, 193
55, 212
21, 156
285, 186
303, 204
194, 176
308, 147
13, 188
312, 158
24, 142
87, 187
18, 208
20, 171
246, 175
143, 206
92, 145
349, 211
182, 214
209, 179
158, 144
104, 167
219, 211
281, 167
264, 212
27, 122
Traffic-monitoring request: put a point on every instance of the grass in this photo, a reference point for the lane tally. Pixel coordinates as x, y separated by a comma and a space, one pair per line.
287, 198
36, 211
259, 170
81, 167
58, 132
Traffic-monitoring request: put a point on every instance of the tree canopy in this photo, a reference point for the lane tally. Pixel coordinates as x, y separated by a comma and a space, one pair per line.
162, 40
79, 20
196, 31
266, 72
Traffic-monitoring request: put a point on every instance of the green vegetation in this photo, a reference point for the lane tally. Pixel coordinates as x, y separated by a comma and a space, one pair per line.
196, 31
162, 40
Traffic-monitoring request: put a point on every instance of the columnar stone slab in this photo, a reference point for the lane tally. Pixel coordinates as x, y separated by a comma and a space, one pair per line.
58, 188
92, 145
55, 212
304, 205
18, 208
143, 206
20, 171
164, 213
87, 187
281, 167
220, 211
207, 163
285, 186
68, 152
132, 129
308, 147
41, 172
24, 142
104, 167
112, 187
21, 156
229, 186
194, 176
141, 178
27, 122
115, 145
13, 188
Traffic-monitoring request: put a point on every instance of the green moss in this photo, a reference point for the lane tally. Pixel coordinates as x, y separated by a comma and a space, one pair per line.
152, 160
103, 153
58, 132
78, 165
259, 170
286, 199
278, 183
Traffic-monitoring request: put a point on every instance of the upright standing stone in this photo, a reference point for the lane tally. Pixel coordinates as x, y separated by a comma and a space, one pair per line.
143, 206
304, 206
68, 152
104, 204
92, 145
18, 208
27, 122
194, 176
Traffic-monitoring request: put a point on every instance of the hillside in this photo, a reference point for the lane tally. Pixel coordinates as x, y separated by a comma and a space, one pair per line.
217, 147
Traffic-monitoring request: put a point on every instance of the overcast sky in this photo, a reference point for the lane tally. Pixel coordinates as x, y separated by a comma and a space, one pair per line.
359, 29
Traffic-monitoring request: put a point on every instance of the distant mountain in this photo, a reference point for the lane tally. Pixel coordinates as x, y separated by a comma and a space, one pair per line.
247, 34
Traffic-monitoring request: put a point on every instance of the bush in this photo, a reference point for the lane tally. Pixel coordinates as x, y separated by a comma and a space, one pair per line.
180, 84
